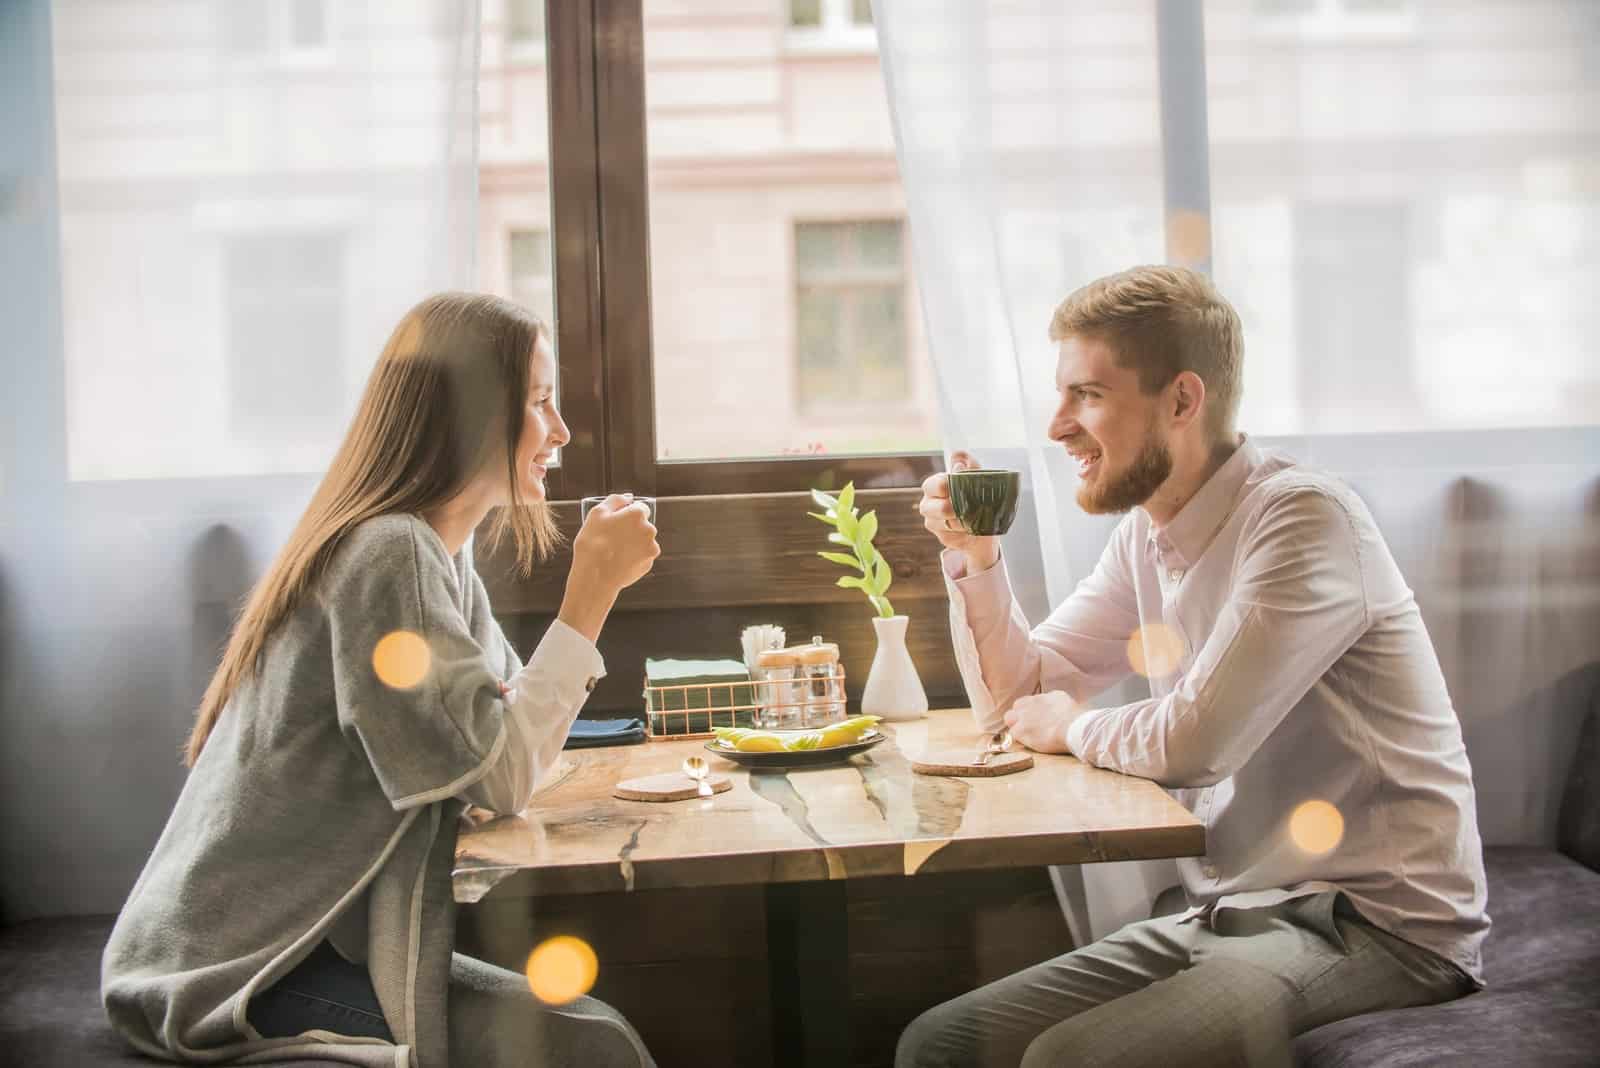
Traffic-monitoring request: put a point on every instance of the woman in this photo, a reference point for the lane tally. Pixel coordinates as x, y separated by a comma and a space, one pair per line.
298, 902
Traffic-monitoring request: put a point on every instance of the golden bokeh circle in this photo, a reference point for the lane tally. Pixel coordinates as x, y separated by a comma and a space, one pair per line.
1156, 650
562, 969
1316, 827
401, 659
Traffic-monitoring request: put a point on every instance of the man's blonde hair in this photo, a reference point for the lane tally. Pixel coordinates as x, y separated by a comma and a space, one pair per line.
1161, 321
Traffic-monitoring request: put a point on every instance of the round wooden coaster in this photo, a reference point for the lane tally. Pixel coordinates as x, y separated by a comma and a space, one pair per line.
959, 762
669, 786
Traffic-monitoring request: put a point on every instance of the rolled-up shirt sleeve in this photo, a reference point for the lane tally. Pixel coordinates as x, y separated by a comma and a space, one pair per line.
1081, 648
544, 698
1297, 604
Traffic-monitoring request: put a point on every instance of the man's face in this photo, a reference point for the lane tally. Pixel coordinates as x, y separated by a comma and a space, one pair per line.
1110, 426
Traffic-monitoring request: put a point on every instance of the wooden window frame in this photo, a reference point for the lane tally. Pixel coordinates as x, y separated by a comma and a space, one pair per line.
600, 230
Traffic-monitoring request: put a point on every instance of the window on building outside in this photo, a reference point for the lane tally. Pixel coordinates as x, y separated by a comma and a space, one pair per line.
525, 21
273, 29
529, 271
830, 24
850, 315
284, 309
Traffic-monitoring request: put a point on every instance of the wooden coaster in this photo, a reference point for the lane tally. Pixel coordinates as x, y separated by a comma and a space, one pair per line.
959, 762
669, 786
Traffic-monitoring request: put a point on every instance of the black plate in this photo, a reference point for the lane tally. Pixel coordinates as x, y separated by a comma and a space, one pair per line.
798, 758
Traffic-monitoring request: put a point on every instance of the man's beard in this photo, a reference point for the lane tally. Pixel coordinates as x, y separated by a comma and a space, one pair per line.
1118, 493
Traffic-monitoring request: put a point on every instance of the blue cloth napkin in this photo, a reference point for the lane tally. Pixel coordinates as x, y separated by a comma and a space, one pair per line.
587, 733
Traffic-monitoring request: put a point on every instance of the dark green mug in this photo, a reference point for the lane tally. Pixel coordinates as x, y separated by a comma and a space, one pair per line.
985, 500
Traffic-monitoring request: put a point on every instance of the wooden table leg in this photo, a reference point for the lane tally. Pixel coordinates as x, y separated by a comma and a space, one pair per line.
808, 954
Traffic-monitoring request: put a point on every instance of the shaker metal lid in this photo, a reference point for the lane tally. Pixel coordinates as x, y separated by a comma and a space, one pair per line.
814, 652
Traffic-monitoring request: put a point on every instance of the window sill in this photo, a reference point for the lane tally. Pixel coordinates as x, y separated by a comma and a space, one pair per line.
821, 43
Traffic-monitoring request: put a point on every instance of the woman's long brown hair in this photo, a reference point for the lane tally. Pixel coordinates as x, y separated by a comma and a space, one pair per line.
445, 399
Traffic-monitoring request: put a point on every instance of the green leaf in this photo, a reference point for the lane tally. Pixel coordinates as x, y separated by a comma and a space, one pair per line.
847, 498
841, 558
885, 609
828, 519
850, 582
866, 531
847, 524
882, 576
825, 502
840, 539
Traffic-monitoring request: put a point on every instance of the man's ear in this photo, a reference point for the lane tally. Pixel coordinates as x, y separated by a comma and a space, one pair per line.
1188, 398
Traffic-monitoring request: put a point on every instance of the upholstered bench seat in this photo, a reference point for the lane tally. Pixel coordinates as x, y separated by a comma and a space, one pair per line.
1542, 1006
1542, 958
50, 1014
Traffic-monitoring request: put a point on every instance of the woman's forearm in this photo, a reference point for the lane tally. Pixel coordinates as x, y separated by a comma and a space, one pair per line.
586, 603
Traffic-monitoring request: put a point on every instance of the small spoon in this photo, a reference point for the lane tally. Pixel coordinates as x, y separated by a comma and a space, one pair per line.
999, 742
695, 768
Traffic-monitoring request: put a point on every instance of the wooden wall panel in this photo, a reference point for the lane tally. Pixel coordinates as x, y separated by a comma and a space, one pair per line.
728, 562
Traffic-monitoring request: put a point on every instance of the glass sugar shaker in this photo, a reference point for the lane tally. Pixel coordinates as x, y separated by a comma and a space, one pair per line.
781, 692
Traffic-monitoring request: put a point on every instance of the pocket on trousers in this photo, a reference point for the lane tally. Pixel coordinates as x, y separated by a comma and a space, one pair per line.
1319, 911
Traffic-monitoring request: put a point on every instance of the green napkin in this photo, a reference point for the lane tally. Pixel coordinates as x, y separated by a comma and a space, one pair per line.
729, 684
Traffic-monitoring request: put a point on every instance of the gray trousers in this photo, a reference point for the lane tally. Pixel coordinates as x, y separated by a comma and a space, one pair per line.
1231, 989
495, 1022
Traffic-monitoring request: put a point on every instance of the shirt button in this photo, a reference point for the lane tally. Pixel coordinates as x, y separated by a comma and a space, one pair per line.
1175, 574
1208, 869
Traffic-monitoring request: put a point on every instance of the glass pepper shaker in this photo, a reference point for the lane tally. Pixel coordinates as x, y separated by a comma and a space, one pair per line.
821, 682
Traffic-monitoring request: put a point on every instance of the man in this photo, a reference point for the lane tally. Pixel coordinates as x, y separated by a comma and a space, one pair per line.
1297, 709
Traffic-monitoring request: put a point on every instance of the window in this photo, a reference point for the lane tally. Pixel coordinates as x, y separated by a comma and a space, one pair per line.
284, 307
1337, 19
833, 14
525, 22
529, 271
850, 315
281, 31
717, 227
831, 25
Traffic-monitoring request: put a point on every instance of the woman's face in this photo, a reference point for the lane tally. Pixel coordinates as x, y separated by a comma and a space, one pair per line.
543, 431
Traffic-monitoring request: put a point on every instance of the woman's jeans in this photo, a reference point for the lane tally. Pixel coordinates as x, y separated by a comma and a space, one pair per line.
324, 992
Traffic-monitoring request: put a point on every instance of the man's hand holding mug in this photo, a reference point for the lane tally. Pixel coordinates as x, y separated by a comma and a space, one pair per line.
969, 508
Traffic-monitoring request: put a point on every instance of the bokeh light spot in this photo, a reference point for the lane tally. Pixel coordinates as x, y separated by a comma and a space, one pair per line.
1156, 650
401, 659
1316, 827
561, 969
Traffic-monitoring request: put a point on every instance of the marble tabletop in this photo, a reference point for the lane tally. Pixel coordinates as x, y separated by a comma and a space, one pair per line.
871, 816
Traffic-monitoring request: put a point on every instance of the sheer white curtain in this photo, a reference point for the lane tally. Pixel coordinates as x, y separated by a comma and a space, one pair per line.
1402, 198
231, 202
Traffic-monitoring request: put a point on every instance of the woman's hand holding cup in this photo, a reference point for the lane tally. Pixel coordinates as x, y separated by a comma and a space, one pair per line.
939, 517
617, 541
615, 547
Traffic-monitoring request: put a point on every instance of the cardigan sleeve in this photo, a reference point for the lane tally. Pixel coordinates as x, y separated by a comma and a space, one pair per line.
415, 691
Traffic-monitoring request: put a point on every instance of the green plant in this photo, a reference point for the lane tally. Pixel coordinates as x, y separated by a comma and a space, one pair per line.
856, 532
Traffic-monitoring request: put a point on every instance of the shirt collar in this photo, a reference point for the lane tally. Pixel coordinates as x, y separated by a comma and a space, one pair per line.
1198, 521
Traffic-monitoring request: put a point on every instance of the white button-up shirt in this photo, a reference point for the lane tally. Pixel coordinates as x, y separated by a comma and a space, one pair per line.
1288, 664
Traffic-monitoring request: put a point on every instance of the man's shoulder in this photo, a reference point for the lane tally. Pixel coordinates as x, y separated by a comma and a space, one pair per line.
1284, 486
1281, 477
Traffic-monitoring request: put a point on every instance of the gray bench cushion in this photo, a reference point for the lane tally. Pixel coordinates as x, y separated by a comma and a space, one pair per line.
1578, 832
50, 1014
1542, 961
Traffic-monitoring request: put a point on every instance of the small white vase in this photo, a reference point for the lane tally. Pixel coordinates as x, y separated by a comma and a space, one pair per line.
893, 689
